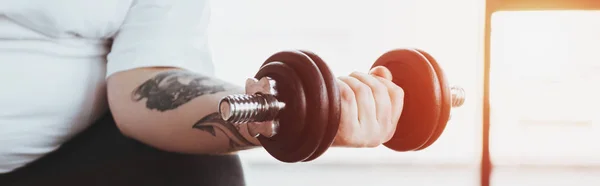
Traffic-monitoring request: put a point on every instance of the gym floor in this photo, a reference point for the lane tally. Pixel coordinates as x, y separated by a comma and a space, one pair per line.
360, 175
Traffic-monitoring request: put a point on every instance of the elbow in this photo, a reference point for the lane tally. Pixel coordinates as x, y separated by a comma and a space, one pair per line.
122, 120
133, 122
145, 129
129, 123
131, 127
120, 105
124, 127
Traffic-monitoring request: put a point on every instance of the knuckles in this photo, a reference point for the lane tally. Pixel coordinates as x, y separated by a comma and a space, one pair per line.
358, 131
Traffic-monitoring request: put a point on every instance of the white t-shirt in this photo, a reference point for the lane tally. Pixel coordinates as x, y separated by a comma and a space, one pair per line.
55, 57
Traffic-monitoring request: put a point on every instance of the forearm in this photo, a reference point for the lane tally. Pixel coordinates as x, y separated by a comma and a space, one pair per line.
175, 110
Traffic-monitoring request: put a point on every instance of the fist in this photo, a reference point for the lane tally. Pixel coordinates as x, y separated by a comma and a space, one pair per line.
371, 105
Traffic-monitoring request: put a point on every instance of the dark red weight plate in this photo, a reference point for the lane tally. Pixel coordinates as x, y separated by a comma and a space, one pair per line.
299, 136
334, 106
288, 141
446, 100
422, 97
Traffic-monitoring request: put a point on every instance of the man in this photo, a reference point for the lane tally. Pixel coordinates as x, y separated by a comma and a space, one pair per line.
107, 93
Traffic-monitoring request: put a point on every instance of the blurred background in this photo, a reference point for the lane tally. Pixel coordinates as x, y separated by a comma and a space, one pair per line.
531, 109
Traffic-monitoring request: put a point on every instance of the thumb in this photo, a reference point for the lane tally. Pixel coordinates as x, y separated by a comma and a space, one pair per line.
381, 71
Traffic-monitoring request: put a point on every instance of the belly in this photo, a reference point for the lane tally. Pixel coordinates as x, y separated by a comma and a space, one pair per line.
45, 99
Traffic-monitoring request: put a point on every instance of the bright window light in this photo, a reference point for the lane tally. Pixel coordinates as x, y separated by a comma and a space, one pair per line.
545, 75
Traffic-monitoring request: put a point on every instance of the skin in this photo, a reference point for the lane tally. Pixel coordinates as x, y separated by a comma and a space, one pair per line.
175, 110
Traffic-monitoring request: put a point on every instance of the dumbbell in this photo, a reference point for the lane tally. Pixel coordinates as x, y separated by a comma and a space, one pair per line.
292, 104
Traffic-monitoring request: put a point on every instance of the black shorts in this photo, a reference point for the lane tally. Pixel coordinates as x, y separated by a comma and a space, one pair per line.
102, 156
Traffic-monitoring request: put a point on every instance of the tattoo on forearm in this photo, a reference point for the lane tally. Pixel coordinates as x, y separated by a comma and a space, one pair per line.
169, 90
213, 122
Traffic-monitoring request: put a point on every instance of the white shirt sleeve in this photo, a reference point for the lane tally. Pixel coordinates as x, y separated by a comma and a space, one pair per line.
163, 33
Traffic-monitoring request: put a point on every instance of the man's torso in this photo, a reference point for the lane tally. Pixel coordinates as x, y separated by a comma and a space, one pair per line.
53, 67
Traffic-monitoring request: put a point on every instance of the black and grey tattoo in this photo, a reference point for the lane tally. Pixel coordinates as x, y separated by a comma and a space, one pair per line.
213, 122
169, 90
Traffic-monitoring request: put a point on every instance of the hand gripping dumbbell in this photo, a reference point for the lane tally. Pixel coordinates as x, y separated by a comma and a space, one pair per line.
292, 105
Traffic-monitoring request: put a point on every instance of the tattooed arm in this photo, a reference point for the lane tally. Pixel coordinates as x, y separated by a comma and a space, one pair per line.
175, 110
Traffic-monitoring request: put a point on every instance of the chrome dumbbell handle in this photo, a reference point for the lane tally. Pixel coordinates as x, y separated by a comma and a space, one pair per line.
259, 106
243, 108
258, 110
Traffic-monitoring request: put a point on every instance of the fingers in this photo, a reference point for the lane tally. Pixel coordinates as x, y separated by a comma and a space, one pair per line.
365, 131
364, 99
382, 72
396, 95
383, 107
371, 107
348, 123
